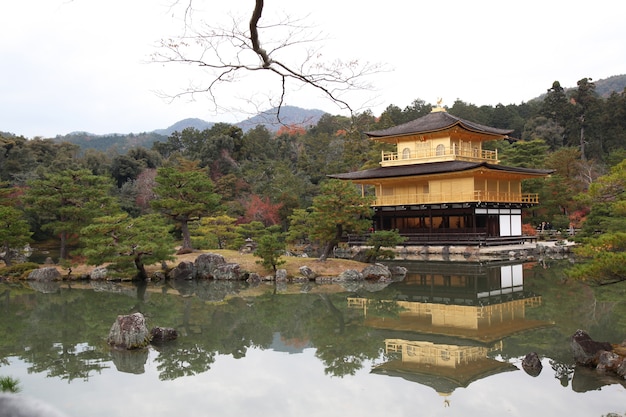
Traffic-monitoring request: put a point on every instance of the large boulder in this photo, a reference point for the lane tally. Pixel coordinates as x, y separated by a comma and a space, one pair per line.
586, 350
307, 272
254, 278
397, 270
206, 264
376, 272
281, 275
229, 271
603, 356
45, 274
129, 332
99, 273
184, 270
350, 275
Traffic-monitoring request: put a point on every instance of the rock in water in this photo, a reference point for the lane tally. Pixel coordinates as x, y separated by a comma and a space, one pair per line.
586, 350
603, 356
129, 332
532, 364
160, 335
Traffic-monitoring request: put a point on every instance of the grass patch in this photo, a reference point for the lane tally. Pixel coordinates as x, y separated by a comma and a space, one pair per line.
248, 262
9, 384
18, 271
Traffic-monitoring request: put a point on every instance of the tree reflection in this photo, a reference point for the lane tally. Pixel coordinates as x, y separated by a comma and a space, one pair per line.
562, 371
63, 334
178, 361
343, 343
69, 362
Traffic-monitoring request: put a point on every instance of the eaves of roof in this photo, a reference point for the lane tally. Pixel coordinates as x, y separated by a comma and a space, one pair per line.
434, 168
434, 122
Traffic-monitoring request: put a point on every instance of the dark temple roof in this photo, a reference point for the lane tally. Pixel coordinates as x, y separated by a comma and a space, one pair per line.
433, 122
434, 168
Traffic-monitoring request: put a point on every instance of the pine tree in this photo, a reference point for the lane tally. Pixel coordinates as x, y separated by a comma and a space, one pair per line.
66, 201
185, 194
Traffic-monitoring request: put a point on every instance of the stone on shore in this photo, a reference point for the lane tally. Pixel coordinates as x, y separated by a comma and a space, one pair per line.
376, 272
307, 272
207, 263
603, 356
586, 350
49, 273
350, 275
183, 271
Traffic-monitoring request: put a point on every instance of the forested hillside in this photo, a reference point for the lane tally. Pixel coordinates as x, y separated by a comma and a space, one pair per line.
271, 119
264, 177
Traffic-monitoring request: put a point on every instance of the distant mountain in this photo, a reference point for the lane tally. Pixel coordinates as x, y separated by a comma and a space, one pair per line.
198, 124
606, 86
271, 119
121, 143
289, 115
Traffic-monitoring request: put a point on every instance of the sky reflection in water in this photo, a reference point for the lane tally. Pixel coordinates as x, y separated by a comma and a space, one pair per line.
271, 382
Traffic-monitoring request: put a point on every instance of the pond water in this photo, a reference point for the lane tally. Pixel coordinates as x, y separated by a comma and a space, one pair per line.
447, 340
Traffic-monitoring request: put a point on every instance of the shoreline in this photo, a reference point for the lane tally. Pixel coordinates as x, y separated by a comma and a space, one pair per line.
448, 253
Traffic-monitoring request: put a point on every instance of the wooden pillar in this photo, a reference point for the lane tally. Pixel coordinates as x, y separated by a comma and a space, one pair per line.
430, 216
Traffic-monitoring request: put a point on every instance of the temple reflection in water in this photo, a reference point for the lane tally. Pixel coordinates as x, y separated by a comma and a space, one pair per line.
451, 321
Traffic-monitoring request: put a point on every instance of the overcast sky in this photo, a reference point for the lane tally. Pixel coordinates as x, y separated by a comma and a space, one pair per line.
83, 65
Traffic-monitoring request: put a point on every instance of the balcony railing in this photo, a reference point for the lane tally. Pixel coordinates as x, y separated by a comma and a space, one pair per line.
458, 197
440, 153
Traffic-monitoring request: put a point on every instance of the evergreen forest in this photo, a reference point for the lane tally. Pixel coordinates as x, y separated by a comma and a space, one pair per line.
213, 188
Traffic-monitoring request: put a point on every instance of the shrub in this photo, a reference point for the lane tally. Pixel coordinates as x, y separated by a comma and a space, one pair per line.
18, 270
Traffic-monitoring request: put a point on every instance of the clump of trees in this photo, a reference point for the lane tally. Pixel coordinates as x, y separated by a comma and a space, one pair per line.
603, 234
217, 187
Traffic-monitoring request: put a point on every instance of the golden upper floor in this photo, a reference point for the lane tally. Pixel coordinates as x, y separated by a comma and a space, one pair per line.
439, 159
438, 137
437, 151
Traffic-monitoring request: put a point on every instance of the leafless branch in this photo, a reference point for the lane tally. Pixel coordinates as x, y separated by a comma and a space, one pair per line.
286, 50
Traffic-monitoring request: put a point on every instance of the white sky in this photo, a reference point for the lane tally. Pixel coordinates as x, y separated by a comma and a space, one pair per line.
82, 65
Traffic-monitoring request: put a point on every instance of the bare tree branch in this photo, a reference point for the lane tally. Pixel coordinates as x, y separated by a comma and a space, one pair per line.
287, 54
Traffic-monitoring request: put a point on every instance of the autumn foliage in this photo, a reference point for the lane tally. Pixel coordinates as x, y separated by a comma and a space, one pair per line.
262, 210
291, 130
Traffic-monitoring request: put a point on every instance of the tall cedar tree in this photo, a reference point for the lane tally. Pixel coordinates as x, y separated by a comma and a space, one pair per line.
66, 201
185, 194
338, 209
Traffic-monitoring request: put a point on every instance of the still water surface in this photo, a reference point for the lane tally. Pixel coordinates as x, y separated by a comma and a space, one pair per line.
447, 340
